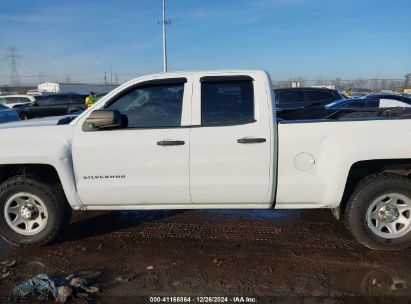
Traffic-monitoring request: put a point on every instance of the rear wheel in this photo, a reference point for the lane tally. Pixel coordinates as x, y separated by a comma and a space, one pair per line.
32, 212
378, 213
23, 116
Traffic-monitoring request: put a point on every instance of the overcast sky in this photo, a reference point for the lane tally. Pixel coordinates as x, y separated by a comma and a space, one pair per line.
82, 39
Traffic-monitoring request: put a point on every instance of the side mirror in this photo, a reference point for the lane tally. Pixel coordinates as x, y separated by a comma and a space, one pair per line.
103, 119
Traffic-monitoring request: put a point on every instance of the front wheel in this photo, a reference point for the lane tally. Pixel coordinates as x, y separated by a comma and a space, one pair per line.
378, 213
32, 213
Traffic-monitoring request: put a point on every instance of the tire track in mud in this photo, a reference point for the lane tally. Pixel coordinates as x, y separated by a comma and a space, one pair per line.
257, 233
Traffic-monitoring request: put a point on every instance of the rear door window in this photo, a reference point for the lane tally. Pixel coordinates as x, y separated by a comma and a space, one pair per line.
319, 96
76, 99
46, 101
290, 97
228, 102
62, 99
24, 99
11, 100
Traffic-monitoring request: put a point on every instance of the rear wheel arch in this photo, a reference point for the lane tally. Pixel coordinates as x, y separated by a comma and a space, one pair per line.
378, 212
365, 168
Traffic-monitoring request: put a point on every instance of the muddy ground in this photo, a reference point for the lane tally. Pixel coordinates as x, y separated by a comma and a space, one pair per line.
270, 255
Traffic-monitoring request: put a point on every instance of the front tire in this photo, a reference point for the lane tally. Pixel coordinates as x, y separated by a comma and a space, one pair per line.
32, 212
378, 213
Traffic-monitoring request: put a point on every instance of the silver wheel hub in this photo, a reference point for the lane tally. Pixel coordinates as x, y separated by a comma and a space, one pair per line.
388, 213
25, 213
29, 212
389, 216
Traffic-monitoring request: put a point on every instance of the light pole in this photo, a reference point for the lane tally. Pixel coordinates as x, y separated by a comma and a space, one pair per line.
164, 37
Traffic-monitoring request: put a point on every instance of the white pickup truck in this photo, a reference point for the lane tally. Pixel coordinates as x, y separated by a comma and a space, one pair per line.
196, 140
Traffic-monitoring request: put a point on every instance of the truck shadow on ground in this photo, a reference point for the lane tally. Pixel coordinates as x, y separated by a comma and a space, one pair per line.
101, 223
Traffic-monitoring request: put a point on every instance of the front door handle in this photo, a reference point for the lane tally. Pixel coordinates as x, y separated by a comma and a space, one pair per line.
166, 143
251, 140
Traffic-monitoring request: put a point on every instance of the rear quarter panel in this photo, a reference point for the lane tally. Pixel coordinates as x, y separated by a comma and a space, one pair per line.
335, 147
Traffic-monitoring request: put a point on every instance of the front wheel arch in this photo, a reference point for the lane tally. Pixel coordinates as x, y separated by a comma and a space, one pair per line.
30, 202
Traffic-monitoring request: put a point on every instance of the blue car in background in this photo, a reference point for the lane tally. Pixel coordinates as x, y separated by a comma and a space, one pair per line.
8, 115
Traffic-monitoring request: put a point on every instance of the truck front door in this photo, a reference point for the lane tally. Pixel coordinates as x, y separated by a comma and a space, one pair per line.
145, 163
230, 148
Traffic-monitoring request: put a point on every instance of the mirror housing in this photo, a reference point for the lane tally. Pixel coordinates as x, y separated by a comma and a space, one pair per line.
103, 119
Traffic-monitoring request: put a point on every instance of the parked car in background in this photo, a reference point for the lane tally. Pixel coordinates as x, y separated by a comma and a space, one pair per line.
367, 103
53, 105
7, 114
389, 96
295, 98
99, 96
348, 108
14, 101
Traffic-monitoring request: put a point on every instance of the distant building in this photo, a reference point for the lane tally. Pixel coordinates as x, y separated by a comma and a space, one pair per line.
79, 88
332, 87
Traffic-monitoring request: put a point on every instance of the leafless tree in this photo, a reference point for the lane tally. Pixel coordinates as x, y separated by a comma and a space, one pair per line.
337, 82
320, 81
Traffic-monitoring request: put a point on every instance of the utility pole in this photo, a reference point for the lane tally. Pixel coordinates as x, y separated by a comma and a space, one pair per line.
111, 76
165, 22
14, 75
105, 77
41, 77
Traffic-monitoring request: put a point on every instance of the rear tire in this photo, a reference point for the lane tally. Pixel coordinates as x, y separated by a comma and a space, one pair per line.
378, 213
32, 212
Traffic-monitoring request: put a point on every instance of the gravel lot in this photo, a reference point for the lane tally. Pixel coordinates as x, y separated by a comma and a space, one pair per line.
262, 254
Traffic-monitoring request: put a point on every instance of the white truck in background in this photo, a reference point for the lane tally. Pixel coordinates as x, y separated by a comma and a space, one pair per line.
195, 140
78, 88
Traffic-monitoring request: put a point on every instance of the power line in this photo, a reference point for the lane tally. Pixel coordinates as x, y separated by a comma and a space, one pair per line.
42, 77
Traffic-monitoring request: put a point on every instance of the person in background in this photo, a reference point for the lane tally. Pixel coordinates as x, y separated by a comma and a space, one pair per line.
346, 93
90, 100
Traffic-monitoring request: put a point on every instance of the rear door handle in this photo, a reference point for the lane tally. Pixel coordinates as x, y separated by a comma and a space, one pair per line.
251, 140
166, 143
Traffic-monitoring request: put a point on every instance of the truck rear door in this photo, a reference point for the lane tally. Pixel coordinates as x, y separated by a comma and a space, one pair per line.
230, 141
